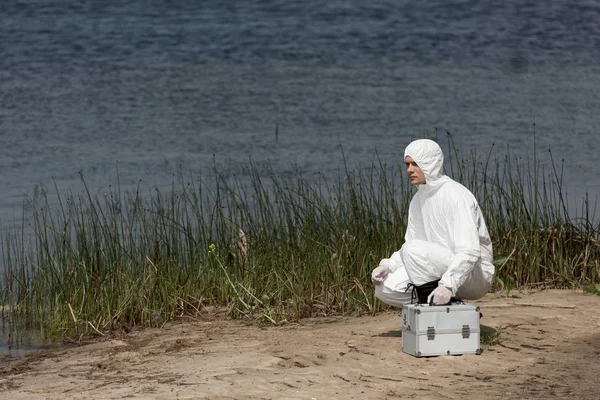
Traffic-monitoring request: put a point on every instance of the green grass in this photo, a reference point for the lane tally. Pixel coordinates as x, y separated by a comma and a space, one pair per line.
490, 337
270, 248
593, 289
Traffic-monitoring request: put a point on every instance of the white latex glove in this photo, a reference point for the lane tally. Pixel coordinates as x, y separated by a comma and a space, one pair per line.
378, 275
441, 295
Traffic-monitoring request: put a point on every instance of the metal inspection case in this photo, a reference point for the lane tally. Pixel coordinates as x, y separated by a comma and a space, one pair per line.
431, 330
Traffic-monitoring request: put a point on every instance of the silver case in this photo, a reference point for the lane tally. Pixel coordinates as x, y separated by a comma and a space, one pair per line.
440, 330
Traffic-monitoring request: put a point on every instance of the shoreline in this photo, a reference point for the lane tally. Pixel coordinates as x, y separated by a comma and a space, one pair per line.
548, 348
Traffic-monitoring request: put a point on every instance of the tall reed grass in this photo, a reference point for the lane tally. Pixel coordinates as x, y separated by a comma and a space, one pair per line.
269, 248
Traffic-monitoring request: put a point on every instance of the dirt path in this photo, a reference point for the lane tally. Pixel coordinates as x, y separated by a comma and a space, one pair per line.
550, 349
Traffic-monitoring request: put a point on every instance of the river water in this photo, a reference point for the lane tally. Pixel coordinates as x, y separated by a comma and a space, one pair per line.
148, 86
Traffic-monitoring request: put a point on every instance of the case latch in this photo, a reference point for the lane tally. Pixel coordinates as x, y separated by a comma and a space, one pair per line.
430, 333
466, 331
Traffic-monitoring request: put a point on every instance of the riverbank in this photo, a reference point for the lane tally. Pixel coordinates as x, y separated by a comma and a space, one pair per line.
549, 344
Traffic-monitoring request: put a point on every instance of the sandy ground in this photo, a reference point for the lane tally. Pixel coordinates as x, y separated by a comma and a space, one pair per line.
550, 348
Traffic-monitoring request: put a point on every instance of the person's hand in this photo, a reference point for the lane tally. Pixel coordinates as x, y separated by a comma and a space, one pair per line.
441, 295
378, 275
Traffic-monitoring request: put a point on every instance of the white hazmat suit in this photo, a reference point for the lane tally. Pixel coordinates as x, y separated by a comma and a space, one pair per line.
446, 239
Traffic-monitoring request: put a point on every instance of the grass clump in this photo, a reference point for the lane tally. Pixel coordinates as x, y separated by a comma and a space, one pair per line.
269, 247
593, 289
490, 336
275, 251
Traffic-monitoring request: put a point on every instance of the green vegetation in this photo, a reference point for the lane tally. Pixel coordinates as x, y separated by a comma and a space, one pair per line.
270, 248
490, 337
594, 289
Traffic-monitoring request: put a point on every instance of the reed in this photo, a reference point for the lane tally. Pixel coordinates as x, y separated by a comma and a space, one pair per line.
268, 247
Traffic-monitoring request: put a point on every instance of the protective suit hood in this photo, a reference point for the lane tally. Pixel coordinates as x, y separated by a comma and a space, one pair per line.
429, 157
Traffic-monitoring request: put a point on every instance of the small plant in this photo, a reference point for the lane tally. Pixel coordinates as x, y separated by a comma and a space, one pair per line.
490, 336
593, 289
506, 285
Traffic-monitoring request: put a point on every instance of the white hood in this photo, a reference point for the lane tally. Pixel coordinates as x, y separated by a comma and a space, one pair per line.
429, 157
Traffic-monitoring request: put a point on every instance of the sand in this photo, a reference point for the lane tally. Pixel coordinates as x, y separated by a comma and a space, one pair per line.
550, 348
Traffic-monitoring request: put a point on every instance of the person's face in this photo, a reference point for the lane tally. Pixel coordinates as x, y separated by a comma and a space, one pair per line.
415, 174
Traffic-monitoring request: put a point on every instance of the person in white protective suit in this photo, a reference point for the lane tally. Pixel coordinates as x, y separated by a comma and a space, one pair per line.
447, 253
